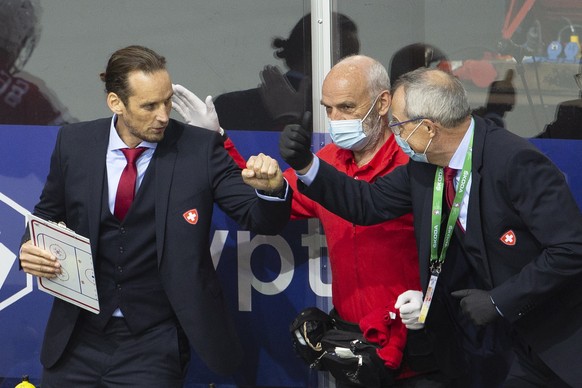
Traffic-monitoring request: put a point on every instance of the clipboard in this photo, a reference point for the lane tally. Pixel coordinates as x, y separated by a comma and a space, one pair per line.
76, 284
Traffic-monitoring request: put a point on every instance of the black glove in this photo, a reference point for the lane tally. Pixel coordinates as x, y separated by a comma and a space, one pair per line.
477, 305
285, 104
295, 143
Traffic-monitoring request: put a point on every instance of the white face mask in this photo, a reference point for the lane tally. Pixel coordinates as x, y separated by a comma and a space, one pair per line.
408, 150
349, 134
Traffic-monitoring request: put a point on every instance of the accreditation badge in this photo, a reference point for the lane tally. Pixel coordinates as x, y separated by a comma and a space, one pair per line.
428, 297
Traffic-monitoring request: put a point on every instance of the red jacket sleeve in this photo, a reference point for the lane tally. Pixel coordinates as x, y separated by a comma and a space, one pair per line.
234, 154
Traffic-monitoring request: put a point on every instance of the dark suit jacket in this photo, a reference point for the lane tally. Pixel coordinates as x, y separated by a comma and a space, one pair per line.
191, 171
536, 283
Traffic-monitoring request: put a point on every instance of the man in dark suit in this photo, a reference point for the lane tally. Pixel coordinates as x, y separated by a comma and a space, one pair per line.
513, 239
157, 285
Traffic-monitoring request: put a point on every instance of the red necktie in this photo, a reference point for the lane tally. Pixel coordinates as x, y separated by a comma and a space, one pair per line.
450, 174
126, 188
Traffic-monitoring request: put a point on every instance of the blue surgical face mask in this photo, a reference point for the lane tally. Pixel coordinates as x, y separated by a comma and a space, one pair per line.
349, 134
408, 150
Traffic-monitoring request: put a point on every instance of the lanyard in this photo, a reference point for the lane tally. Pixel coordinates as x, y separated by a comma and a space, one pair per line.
436, 259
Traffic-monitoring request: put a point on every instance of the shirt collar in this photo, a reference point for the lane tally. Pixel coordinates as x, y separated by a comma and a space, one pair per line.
115, 142
459, 156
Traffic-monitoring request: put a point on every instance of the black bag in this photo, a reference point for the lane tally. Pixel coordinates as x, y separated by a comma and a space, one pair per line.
325, 345
307, 330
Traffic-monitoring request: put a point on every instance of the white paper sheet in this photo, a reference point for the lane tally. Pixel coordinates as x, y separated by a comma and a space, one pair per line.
76, 283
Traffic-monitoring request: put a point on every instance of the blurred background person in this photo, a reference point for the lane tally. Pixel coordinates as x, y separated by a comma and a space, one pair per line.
23, 98
500, 100
417, 55
283, 97
568, 121
501, 95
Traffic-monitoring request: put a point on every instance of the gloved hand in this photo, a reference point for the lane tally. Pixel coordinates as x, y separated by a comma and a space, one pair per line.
409, 303
477, 305
295, 143
282, 101
502, 93
194, 111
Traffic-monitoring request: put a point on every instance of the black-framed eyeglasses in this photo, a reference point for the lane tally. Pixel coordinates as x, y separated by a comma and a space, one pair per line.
396, 126
578, 78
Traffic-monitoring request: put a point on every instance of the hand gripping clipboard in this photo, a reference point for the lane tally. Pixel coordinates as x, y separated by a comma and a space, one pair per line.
76, 284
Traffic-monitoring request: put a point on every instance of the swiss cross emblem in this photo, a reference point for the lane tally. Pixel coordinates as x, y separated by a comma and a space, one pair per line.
191, 216
509, 238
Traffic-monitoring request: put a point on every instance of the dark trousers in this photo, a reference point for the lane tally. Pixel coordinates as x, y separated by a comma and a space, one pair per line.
529, 371
115, 357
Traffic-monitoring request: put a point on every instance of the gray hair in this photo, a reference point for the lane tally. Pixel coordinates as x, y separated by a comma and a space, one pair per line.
378, 79
435, 95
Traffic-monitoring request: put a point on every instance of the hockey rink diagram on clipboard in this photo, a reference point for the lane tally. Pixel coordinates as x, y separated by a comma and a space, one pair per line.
76, 283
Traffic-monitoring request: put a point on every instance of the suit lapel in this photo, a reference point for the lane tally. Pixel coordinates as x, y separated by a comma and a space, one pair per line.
425, 234
97, 153
474, 243
164, 160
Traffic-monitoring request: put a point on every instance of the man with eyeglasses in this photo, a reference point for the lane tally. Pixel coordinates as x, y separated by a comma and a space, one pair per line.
506, 254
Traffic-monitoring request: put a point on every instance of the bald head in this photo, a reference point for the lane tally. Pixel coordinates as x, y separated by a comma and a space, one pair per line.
357, 88
355, 61
361, 71
351, 86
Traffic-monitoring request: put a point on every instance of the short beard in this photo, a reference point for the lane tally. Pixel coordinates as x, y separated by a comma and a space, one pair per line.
374, 132
150, 138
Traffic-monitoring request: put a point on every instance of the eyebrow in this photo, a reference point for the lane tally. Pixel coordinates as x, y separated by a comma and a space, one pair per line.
150, 102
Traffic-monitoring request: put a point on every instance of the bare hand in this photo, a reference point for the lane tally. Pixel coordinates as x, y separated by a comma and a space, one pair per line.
38, 262
263, 173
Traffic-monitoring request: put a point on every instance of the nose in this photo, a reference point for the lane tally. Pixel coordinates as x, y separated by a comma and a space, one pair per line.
163, 114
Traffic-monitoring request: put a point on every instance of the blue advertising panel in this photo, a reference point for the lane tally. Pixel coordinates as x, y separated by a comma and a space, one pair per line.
266, 279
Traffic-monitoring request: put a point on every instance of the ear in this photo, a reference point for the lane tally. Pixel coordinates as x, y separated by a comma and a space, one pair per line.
385, 101
115, 104
431, 127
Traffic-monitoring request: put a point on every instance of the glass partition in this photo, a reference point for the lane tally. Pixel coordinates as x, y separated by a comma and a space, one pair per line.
517, 59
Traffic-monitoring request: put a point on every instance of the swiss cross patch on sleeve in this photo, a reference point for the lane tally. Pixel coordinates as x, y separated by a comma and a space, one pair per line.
191, 216
509, 238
